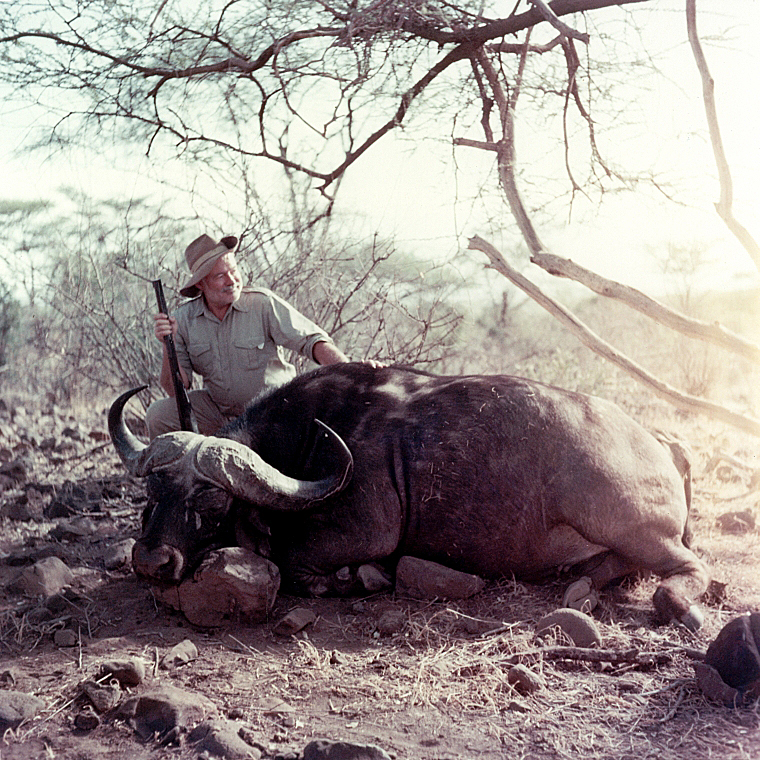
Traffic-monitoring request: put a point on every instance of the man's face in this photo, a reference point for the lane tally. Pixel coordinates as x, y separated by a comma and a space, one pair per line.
223, 284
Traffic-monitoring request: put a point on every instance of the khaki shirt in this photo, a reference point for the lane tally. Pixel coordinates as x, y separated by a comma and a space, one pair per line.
242, 355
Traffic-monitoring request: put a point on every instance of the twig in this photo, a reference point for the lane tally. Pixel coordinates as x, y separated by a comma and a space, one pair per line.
594, 655
550, 16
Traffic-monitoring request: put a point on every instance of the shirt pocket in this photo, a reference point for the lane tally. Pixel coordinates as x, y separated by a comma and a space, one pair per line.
202, 358
251, 351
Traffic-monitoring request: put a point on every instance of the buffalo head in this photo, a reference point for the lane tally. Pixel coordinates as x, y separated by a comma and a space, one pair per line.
197, 483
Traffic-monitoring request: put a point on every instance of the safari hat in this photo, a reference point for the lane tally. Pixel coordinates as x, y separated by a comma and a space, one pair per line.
201, 255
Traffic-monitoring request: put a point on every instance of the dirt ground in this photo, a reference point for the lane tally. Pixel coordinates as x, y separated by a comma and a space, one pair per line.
435, 688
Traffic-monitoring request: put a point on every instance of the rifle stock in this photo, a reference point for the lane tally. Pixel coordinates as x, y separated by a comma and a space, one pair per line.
185, 411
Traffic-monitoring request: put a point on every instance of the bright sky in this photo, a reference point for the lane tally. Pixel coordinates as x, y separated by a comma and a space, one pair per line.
413, 193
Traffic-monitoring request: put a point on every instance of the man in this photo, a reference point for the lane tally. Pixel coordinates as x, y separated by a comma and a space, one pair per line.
233, 337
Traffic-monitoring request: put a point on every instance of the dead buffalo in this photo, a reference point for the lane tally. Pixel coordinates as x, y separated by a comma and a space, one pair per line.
497, 476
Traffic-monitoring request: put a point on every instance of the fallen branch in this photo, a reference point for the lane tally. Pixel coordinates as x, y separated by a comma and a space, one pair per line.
693, 328
583, 654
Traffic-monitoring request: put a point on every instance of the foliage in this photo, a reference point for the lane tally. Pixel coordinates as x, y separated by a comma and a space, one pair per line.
10, 312
86, 276
308, 86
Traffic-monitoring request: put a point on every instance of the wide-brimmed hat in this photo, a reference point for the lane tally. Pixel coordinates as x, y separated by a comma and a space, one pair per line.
201, 255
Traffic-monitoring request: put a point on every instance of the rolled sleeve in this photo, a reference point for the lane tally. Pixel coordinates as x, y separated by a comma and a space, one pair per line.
291, 329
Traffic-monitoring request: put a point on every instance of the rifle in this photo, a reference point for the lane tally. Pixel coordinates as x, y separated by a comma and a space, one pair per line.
185, 411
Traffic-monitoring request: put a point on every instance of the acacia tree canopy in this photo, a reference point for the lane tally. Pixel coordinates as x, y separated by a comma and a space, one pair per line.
309, 85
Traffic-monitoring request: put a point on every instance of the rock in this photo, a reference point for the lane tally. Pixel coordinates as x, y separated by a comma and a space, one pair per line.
179, 655
230, 584
373, 578
45, 577
73, 529
15, 472
17, 706
325, 749
714, 687
578, 627
29, 506
222, 738
104, 697
391, 621
296, 620
86, 720
163, 711
735, 653
74, 432
65, 638
737, 523
524, 679
119, 555
422, 579
129, 672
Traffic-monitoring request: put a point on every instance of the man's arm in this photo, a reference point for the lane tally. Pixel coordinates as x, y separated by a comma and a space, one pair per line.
328, 353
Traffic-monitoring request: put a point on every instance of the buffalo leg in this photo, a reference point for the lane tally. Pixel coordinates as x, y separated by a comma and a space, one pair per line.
684, 577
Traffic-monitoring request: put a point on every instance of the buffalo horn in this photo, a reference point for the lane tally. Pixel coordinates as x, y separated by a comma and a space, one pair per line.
243, 473
128, 446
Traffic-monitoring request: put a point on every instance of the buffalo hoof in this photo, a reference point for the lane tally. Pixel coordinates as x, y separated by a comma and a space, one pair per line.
581, 595
693, 619
670, 608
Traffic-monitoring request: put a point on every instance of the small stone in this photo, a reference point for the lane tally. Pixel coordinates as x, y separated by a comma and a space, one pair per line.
129, 672
275, 706
578, 627
86, 720
231, 584
714, 687
524, 680
296, 620
735, 653
65, 638
179, 655
373, 578
104, 697
391, 621
45, 577
14, 471
422, 579
73, 529
221, 738
119, 555
164, 711
17, 706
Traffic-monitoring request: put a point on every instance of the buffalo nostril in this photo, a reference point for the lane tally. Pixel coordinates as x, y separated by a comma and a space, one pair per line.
164, 563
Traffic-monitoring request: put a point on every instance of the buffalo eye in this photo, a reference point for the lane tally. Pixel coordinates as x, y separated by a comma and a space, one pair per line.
208, 506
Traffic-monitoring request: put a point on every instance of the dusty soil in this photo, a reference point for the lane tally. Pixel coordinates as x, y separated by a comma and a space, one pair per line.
434, 689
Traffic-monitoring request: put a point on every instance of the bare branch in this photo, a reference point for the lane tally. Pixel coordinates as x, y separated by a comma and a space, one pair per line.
694, 328
467, 143
512, 47
560, 26
724, 207
590, 339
